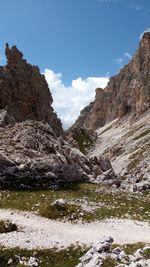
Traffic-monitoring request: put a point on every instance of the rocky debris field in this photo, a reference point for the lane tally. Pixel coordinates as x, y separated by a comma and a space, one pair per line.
127, 144
31, 155
104, 254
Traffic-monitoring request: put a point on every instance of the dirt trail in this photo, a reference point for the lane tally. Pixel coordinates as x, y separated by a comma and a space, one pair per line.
37, 232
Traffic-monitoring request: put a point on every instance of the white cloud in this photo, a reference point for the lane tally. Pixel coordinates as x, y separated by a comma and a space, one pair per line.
138, 7
119, 61
127, 54
70, 100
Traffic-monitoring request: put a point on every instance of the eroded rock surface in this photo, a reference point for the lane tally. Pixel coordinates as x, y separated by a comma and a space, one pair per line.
103, 254
82, 138
33, 152
24, 92
126, 93
31, 155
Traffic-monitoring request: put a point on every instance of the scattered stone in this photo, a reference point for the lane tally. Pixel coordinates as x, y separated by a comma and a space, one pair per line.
102, 251
60, 201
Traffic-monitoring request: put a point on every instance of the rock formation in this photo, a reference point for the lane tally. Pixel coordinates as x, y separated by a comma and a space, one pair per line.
82, 138
32, 156
24, 92
126, 93
103, 254
32, 150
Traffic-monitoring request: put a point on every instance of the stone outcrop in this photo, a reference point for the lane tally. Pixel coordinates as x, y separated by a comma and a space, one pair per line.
31, 155
103, 254
126, 93
82, 138
24, 92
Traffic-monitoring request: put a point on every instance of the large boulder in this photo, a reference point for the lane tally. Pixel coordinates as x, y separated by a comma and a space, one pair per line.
31, 155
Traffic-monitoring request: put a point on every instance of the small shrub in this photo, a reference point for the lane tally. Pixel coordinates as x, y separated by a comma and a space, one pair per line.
6, 227
56, 211
109, 262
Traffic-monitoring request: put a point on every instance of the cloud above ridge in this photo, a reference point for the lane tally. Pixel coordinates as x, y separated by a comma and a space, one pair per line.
70, 100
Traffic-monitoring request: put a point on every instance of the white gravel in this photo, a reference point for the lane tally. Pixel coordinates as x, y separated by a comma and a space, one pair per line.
37, 232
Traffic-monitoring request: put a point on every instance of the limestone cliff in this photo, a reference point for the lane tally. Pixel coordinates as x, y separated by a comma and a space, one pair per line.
33, 153
24, 92
126, 93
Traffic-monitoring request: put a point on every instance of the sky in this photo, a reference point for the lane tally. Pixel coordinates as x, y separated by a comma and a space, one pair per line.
77, 44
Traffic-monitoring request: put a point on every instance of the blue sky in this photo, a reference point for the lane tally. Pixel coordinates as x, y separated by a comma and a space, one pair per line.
74, 39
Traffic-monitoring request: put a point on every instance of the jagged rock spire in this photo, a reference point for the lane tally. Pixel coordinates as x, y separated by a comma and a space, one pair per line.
24, 91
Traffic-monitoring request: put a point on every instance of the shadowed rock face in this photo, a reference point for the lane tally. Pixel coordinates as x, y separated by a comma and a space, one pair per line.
24, 92
31, 156
126, 93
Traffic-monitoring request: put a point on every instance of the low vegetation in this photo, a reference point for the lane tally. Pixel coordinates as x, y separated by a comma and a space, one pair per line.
56, 211
6, 227
85, 201
46, 258
83, 139
55, 258
109, 262
129, 249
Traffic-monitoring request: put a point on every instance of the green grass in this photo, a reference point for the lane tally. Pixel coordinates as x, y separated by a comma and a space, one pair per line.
47, 257
131, 248
133, 164
60, 258
70, 212
106, 203
108, 262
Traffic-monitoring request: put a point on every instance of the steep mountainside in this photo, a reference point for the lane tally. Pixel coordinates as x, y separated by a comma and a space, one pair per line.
127, 144
33, 153
126, 93
24, 92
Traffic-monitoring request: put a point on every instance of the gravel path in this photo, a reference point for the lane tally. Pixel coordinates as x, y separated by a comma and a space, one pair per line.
37, 232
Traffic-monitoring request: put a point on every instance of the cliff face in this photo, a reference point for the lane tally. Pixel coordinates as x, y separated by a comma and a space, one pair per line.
33, 153
126, 93
24, 92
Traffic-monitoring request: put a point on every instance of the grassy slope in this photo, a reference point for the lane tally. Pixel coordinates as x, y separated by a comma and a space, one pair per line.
102, 203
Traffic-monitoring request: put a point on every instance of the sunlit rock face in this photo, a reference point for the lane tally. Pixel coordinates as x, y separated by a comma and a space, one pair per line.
24, 92
126, 93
